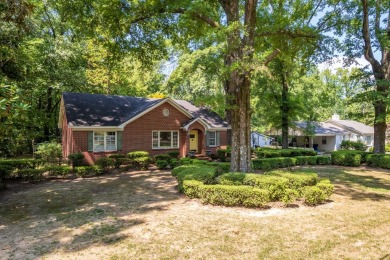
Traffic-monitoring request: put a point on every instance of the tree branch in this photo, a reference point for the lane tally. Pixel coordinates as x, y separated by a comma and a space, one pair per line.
290, 34
198, 16
368, 54
270, 57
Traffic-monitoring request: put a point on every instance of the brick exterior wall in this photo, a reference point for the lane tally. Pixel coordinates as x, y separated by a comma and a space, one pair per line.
137, 135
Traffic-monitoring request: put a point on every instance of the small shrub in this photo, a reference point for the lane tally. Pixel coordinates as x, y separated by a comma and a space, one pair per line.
96, 169
32, 174
162, 164
142, 162
323, 160
313, 195
223, 154
164, 156
191, 188
196, 161
326, 187
205, 174
174, 163
233, 195
289, 196
118, 159
346, 158
301, 160
76, 159
59, 170
312, 160
82, 171
233, 178
222, 167
138, 154
105, 163
50, 152
352, 145
185, 160
276, 185
174, 154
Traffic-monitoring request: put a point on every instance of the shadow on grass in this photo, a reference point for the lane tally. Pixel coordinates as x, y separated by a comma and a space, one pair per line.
357, 183
98, 209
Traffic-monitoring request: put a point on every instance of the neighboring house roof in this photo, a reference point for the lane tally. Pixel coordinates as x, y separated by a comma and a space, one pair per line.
257, 133
85, 110
322, 128
353, 126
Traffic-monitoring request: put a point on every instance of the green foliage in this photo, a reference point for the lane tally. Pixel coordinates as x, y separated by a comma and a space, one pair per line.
105, 163
142, 162
205, 174
379, 160
326, 187
163, 156
301, 160
352, 145
274, 153
51, 152
196, 161
347, 158
76, 159
276, 185
312, 160
223, 154
313, 195
174, 154
273, 163
185, 160
162, 164
297, 179
32, 174
59, 170
233, 178
174, 163
289, 196
323, 160
138, 154
222, 167
119, 159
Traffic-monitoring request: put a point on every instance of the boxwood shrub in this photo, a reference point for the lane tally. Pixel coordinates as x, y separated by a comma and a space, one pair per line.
223, 154
379, 160
276, 185
174, 154
347, 158
273, 153
162, 164
222, 167
313, 195
118, 159
323, 160
138, 154
204, 173
273, 163
232, 178
59, 170
164, 156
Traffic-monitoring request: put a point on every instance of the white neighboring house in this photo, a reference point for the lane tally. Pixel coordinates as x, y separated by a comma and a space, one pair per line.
260, 140
328, 135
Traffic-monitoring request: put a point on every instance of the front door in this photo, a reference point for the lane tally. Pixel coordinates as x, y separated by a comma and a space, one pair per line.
194, 140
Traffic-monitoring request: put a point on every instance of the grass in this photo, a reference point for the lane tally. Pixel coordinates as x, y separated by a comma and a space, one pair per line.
140, 215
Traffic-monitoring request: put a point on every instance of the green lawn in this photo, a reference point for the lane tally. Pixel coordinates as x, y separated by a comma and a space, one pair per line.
140, 215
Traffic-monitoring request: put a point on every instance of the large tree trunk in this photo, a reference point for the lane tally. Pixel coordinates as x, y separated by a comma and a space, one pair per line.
381, 72
285, 110
237, 85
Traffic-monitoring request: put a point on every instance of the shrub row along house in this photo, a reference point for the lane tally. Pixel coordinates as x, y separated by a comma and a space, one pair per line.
99, 125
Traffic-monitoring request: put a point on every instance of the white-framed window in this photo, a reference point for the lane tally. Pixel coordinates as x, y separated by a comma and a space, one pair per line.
165, 139
368, 139
212, 138
324, 140
104, 141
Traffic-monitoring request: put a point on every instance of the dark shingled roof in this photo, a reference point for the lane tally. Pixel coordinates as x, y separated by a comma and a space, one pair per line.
353, 126
322, 128
107, 110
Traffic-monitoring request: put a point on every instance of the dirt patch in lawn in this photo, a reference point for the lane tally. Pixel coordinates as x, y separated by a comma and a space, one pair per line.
141, 215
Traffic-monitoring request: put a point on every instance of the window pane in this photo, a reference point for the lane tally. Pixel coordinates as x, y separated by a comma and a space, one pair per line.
155, 139
211, 138
98, 141
175, 139
165, 139
110, 141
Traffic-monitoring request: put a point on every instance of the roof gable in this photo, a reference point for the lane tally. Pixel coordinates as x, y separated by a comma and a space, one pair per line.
352, 126
97, 110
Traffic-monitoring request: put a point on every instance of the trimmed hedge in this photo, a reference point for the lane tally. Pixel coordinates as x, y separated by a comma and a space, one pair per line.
273, 153
163, 156
223, 154
222, 167
138, 154
204, 173
347, 158
250, 190
226, 195
162, 164
379, 160
174, 154
118, 159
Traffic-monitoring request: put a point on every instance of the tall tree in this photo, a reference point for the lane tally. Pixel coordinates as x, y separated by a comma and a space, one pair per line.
365, 25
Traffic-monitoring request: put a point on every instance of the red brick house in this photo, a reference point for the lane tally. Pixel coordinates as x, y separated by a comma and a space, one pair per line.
99, 125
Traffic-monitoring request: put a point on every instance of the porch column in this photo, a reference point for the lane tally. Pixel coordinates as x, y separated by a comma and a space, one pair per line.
310, 142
